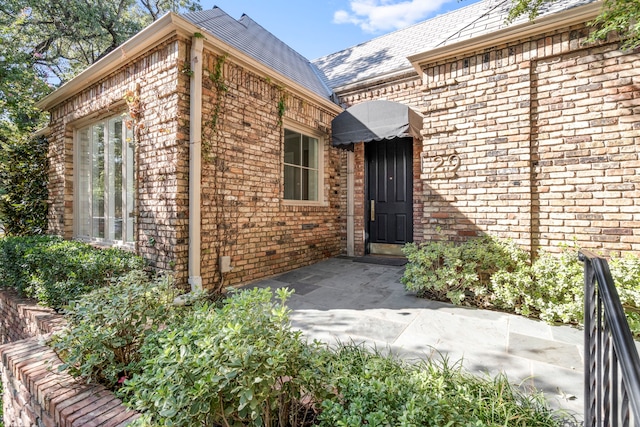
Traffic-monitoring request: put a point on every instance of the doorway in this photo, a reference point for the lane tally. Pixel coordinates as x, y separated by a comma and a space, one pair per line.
389, 190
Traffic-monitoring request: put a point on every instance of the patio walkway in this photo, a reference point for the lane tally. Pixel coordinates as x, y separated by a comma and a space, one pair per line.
339, 300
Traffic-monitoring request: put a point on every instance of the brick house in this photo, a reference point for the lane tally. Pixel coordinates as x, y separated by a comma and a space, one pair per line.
214, 150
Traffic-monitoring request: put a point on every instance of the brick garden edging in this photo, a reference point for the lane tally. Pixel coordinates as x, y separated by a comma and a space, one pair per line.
35, 393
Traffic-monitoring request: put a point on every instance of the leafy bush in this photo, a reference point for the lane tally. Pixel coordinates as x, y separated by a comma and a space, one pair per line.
55, 271
626, 275
107, 327
552, 289
459, 272
377, 390
23, 184
233, 365
490, 273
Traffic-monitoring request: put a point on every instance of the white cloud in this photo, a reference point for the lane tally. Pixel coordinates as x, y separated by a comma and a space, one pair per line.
386, 15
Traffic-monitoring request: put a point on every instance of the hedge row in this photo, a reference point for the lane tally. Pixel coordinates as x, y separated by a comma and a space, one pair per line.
56, 271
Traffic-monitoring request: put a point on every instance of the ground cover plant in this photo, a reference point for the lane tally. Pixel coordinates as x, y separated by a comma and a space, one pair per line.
376, 389
493, 273
56, 271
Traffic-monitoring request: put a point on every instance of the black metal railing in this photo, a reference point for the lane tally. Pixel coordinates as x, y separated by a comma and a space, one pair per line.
611, 363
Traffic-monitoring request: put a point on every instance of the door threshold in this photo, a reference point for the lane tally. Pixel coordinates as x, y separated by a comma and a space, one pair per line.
385, 249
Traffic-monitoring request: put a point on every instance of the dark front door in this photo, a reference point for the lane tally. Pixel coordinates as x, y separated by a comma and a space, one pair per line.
389, 205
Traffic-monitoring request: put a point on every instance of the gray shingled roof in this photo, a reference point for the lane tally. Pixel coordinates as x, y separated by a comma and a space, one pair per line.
249, 37
388, 54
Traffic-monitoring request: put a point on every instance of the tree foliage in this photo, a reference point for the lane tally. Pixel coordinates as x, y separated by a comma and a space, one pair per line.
62, 37
616, 16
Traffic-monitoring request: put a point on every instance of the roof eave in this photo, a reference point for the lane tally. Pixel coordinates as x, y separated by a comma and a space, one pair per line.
564, 18
167, 25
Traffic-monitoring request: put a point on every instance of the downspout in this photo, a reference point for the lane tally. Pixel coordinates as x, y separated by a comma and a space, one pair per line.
195, 163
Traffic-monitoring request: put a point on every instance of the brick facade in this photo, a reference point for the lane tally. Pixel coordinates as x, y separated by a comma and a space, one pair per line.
535, 140
244, 215
161, 144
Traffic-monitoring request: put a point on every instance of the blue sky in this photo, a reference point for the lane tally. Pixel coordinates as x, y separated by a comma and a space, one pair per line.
318, 27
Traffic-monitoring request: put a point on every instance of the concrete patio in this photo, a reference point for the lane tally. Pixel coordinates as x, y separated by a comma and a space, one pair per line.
339, 300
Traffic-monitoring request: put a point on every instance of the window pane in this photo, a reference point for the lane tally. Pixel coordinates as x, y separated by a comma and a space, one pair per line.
115, 187
292, 148
310, 184
98, 182
292, 183
105, 197
309, 152
84, 184
130, 188
301, 166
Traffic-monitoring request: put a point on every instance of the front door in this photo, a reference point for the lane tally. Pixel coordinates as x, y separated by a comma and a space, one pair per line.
389, 204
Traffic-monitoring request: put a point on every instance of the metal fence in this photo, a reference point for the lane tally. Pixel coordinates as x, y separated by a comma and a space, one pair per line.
611, 363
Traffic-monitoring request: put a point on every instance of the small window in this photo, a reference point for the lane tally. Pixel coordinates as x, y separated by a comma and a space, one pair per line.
301, 166
105, 195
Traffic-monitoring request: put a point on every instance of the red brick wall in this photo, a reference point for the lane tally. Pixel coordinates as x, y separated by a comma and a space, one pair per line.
546, 131
21, 318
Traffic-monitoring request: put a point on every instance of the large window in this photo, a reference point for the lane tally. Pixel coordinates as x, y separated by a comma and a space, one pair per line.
301, 166
105, 188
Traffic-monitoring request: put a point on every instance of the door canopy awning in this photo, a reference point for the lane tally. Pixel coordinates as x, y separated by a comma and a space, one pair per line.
374, 121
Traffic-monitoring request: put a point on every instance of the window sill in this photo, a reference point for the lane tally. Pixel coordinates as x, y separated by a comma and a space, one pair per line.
310, 203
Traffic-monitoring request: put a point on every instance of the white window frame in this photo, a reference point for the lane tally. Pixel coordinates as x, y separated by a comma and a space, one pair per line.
127, 189
320, 199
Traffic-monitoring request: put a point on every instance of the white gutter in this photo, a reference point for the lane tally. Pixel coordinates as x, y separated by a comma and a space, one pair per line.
195, 163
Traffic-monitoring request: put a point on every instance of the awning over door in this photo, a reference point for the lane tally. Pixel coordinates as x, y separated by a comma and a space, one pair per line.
375, 120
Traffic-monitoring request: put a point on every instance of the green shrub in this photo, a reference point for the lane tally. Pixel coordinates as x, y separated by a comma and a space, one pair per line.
552, 289
239, 364
626, 275
459, 272
55, 271
23, 184
106, 328
377, 390
492, 273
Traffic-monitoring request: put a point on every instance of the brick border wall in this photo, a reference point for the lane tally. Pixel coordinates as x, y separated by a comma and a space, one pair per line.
35, 393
